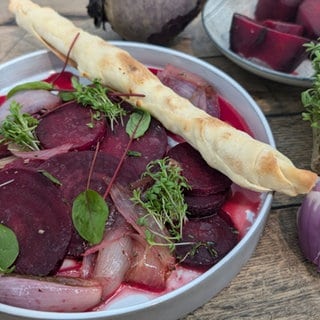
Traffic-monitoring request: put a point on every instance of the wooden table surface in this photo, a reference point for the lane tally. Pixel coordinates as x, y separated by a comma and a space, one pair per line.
276, 283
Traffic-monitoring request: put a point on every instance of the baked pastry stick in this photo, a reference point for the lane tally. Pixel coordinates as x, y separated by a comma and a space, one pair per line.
246, 161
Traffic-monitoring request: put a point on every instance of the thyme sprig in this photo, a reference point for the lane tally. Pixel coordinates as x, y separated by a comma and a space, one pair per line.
311, 97
19, 128
95, 96
164, 200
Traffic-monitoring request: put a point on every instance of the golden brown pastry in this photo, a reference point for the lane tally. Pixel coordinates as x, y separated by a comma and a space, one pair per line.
248, 162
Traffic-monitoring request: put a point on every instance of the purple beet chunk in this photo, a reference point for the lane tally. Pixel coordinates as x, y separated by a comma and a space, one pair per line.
211, 239
203, 179
151, 146
72, 170
70, 123
33, 207
286, 27
308, 16
276, 50
283, 10
200, 206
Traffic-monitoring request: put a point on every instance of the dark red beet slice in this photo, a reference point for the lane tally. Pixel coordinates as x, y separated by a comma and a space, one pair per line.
151, 146
308, 16
211, 239
283, 10
200, 206
72, 170
70, 124
32, 206
203, 179
286, 27
277, 50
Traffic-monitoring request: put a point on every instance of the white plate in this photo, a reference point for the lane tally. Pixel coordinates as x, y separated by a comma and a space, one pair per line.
181, 301
217, 18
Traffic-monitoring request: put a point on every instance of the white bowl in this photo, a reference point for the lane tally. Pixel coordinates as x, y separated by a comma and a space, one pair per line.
217, 17
181, 301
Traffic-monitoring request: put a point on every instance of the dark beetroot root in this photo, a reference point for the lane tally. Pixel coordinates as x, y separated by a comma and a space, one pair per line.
33, 207
70, 123
200, 206
276, 50
151, 146
72, 170
308, 16
283, 10
207, 240
203, 179
285, 27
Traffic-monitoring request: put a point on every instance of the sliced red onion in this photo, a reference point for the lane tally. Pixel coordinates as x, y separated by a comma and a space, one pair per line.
308, 222
192, 87
41, 154
114, 256
56, 294
32, 101
121, 198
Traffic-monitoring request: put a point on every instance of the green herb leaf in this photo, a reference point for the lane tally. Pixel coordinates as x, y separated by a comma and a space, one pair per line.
95, 96
19, 128
138, 124
164, 200
35, 85
89, 215
50, 177
9, 249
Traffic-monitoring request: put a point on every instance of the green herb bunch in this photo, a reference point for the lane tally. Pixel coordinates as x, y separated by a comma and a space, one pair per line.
164, 200
95, 96
311, 97
19, 128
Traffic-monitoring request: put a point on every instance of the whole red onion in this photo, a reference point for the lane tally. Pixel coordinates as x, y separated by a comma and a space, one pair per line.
308, 223
157, 21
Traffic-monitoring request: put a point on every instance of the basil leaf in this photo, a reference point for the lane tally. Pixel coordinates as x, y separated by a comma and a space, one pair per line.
9, 249
35, 85
138, 124
89, 215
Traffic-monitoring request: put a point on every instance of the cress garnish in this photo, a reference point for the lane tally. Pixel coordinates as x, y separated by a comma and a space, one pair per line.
19, 128
164, 200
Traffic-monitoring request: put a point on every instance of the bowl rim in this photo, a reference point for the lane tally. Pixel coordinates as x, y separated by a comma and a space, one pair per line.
263, 211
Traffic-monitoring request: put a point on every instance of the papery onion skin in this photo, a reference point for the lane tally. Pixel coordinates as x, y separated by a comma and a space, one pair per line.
308, 224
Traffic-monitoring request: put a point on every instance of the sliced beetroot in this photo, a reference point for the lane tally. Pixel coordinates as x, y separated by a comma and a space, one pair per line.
192, 87
203, 179
151, 146
308, 16
72, 170
33, 207
207, 240
70, 123
286, 27
200, 206
283, 10
277, 50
